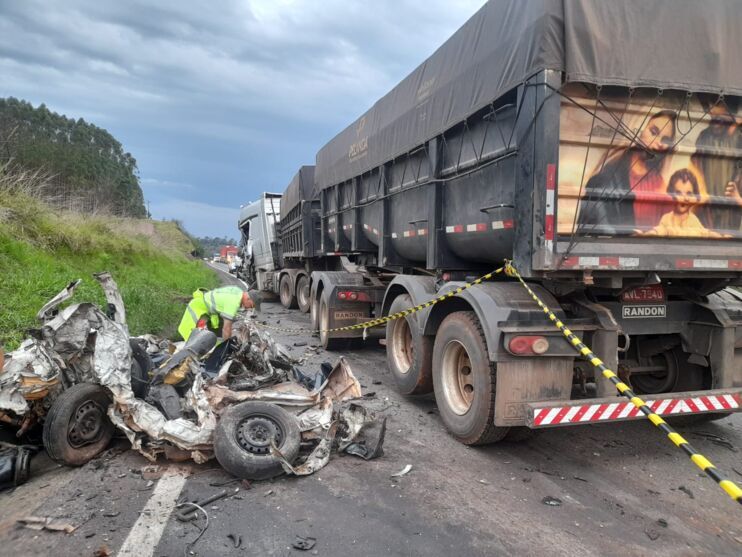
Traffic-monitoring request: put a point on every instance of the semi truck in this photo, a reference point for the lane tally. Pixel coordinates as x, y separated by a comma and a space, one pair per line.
596, 145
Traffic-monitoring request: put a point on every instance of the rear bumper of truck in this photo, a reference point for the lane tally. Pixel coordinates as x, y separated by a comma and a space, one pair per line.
614, 409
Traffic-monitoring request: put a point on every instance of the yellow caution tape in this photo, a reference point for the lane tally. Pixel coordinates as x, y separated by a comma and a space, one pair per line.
729, 487
398, 315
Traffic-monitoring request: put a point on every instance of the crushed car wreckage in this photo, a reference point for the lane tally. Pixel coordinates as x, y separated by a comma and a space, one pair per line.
242, 400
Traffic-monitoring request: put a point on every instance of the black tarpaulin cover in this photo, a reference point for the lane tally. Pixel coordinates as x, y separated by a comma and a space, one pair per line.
300, 189
670, 44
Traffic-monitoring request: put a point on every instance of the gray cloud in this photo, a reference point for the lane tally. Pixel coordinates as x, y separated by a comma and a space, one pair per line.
228, 97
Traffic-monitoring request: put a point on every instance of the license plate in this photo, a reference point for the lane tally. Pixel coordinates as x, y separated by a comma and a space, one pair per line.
644, 294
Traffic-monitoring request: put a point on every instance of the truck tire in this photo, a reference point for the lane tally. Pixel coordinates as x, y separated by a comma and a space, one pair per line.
243, 435
288, 300
464, 380
303, 294
77, 427
408, 353
328, 343
314, 311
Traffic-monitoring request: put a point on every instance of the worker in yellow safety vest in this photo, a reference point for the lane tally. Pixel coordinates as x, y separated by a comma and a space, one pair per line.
208, 307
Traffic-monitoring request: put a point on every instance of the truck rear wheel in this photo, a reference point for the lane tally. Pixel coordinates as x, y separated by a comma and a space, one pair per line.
464, 380
327, 342
408, 353
288, 300
314, 311
302, 294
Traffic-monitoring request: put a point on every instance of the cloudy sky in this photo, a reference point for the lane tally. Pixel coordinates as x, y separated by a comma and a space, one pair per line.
217, 100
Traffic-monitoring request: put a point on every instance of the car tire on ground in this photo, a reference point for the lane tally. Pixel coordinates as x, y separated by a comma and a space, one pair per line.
464, 380
302, 294
409, 354
77, 428
243, 435
325, 338
288, 300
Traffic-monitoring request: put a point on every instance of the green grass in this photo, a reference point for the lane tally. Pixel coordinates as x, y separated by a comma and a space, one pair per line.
42, 250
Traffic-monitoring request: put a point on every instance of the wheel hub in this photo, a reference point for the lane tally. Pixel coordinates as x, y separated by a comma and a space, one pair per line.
402, 345
458, 379
86, 424
255, 434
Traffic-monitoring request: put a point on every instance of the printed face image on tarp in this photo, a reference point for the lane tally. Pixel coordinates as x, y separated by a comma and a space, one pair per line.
649, 164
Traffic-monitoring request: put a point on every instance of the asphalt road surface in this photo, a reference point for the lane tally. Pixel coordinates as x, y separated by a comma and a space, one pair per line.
622, 490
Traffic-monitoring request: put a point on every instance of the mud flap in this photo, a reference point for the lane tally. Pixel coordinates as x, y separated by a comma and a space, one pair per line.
530, 380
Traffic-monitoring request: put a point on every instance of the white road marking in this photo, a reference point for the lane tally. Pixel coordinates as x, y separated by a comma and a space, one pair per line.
147, 530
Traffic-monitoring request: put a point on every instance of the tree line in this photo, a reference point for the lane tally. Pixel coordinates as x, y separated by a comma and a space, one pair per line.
211, 245
89, 169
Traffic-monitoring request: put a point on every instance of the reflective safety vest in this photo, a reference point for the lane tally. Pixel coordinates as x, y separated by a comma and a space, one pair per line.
221, 302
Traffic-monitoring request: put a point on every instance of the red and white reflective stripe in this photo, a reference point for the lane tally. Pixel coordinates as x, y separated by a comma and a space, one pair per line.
334, 253
478, 227
733, 264
347, 227
502, 224
330, 230
411, 233
626, 410
600, 261
549, 209
371, 229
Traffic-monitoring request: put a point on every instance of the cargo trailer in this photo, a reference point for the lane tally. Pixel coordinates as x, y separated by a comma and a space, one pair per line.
597, 145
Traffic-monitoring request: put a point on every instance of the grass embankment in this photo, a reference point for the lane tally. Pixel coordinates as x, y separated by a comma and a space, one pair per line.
42, 250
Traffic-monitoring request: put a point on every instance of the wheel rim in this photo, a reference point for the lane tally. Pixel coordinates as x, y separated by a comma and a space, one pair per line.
324, 321
303, 293
457, 378
285, 292
402, 351
255, 433
314, 314
86, 425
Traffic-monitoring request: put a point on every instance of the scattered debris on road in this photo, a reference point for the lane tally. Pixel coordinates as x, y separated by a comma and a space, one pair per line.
304, 543
47, 523
404, 471
243, 400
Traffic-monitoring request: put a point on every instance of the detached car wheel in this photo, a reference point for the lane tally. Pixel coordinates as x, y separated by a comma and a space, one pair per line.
77, 427
408, 353
243, 438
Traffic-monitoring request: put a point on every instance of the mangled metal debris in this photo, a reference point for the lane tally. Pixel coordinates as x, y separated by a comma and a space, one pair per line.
178, 403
